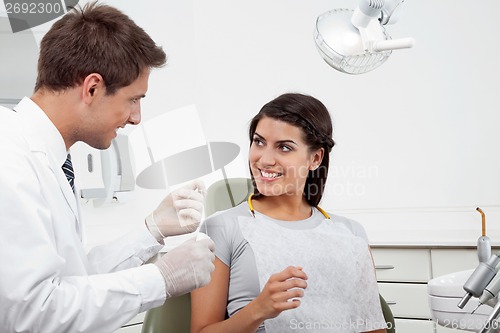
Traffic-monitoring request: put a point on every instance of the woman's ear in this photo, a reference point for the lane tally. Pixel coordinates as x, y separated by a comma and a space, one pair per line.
317, 158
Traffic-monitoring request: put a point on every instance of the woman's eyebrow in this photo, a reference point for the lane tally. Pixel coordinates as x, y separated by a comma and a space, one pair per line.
286, 141
258, 135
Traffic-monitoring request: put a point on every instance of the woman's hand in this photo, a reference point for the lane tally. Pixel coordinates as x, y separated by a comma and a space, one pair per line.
282, 292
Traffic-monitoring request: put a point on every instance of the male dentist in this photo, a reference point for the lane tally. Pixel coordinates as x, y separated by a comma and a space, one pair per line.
93, 70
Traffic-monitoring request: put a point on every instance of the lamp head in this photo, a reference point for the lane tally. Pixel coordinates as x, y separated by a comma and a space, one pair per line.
340, 43
355, 41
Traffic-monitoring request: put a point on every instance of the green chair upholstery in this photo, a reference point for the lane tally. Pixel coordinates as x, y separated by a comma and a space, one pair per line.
174, 315
227, 193
389, 318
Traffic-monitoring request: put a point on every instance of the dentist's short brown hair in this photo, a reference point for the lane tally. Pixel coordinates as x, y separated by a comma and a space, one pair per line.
95, 39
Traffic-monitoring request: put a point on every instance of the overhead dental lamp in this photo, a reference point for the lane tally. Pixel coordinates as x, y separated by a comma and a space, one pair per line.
355, 41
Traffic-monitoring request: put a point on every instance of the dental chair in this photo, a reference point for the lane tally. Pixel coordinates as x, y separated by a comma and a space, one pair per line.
175, 315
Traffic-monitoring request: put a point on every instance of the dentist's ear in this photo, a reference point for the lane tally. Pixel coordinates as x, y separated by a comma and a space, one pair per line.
90, 86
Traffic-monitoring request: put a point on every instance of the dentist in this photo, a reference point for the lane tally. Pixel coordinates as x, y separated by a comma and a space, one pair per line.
93, 70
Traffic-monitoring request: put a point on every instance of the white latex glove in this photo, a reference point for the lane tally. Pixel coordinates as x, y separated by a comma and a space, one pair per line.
179, 213
187, 266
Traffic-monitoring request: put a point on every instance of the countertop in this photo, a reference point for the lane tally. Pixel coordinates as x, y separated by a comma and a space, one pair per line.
435, 238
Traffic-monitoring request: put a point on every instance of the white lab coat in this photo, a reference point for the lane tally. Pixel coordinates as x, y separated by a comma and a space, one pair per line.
47, 281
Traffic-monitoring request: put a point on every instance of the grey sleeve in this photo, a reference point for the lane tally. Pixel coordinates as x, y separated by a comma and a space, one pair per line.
355, 227
359, 230
216, 229
234, 251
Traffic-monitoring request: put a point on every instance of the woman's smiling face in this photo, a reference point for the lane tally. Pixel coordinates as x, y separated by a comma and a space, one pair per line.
279, 158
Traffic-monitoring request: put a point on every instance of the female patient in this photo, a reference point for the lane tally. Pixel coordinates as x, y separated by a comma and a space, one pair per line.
282, 263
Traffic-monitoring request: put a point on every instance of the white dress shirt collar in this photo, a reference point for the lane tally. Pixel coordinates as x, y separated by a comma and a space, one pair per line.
42, 130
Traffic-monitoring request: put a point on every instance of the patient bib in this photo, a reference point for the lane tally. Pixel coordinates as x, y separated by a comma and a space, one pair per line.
342, 294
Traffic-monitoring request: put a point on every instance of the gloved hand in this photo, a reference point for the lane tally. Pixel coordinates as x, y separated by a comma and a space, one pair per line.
179, 213
187, 266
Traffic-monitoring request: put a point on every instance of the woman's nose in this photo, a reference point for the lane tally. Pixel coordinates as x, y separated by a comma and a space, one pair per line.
267, 157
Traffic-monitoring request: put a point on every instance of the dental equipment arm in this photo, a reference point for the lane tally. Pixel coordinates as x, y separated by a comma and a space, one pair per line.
491, 319
366, 18
483, 253
479, 279
489, 292
483, 242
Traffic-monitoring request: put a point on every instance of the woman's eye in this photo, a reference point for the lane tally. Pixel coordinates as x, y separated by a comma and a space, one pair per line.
285, 148
258, 142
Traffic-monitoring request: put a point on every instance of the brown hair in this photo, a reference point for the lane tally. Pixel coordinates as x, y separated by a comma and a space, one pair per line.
310, 115
95, 39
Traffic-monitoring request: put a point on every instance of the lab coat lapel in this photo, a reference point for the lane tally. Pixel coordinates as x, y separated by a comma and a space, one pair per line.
45, 140
64, 186
53, 163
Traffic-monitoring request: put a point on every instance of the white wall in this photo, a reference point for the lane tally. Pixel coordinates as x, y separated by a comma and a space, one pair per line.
416, 138
426, 119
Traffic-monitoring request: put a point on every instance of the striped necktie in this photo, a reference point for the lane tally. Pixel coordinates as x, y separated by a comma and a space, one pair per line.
68, 171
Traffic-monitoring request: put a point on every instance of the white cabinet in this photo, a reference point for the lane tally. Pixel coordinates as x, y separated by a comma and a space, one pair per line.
406, 300
446, 261
414, 326
408, 265
403, 273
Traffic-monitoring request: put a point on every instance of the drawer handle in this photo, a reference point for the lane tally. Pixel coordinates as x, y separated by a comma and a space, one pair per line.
391, 302
384, 267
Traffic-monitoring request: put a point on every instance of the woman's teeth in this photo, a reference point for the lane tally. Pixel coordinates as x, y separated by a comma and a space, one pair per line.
270, 174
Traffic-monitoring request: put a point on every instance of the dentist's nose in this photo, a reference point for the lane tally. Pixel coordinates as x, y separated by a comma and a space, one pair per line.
135, 117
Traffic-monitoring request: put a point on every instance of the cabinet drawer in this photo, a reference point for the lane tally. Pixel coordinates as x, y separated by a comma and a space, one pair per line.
414, 326
406, 300
402, 265
445, 261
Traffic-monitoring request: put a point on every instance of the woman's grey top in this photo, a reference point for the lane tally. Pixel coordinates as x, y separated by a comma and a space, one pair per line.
234, 251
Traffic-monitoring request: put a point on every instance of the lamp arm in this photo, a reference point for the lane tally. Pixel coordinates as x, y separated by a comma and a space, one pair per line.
368, 17
390, 11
